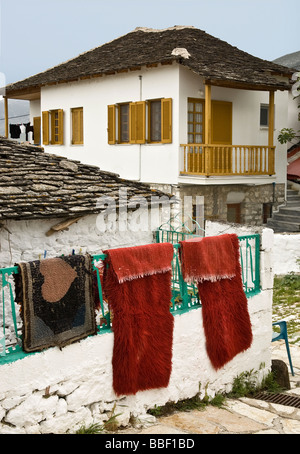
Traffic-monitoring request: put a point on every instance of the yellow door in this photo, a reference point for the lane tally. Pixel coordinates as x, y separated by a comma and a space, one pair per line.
221, 134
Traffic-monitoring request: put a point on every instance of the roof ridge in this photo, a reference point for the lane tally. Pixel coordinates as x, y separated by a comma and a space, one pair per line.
158, 30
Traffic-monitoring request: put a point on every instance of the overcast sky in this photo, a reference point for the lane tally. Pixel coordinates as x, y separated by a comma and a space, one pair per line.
38, 34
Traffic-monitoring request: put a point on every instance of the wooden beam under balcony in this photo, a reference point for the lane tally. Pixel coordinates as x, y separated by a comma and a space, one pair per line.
227, 160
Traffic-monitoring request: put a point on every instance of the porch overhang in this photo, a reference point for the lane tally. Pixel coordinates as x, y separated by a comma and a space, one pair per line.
213, 159
251, 86
28, 94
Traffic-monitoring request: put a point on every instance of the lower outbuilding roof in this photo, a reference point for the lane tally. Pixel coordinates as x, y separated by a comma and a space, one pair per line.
39, 185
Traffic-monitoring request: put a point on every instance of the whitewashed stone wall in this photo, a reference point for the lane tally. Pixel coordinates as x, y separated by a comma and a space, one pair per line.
27, 240
57, 391
286, 252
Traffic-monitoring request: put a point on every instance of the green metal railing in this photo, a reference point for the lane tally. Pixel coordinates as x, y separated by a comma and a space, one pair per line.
184, 296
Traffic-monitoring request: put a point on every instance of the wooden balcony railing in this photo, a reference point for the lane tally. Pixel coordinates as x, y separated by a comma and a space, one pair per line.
207, 160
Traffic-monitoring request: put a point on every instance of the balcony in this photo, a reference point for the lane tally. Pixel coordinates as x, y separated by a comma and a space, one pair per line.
228, 160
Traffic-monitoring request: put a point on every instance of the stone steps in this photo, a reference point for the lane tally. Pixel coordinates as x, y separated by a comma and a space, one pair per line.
287, 218
280, 226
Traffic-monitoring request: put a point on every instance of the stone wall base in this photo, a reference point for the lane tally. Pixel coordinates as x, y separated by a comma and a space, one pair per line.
240, 203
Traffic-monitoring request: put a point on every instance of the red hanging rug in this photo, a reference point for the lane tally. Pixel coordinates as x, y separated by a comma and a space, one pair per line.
214, 264
137, 284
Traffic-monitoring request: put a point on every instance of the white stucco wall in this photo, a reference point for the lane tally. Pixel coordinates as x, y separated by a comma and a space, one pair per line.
149, 162
27, 240
153, 163
59, 390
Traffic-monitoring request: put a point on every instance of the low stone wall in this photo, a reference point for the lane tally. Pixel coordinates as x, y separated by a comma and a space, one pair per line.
286, 252
57, 391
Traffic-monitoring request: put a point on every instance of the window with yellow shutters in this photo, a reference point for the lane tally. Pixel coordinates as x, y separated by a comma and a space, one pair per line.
127, 122
53, 127
77, 125
57, 127
155, 123
160, 120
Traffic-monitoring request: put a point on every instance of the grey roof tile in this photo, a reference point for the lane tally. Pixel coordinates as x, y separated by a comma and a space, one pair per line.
35, 184
207, 56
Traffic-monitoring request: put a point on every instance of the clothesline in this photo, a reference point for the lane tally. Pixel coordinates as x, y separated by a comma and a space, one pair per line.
15, 130
15, 116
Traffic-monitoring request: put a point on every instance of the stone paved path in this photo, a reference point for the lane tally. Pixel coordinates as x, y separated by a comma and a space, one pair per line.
240, 416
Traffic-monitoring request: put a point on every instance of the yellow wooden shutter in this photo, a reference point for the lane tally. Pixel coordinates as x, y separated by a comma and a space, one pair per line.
111, 124
137, 122
132, 122
81, 125
37, 130
60, 127
77, 126
221, 122
166, 120
141, 122
45, 125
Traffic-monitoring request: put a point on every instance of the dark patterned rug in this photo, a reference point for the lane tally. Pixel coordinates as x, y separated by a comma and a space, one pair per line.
57, 301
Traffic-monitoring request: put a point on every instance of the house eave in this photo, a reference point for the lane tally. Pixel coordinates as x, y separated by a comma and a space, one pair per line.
240, 85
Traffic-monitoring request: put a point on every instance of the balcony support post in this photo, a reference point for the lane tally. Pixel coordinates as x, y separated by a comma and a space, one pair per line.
271, 118
207, 125
271, 160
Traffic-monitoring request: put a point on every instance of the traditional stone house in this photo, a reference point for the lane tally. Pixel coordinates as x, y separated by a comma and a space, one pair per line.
176, 108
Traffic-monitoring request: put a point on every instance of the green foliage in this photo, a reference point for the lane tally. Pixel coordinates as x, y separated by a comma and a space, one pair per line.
108, 426
193, 403
92, 429
286, 303
246, 385
218, 401
287, 135
290, 281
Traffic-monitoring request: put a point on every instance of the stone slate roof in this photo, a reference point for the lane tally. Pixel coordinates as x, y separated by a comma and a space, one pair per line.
39, 185
210, 57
